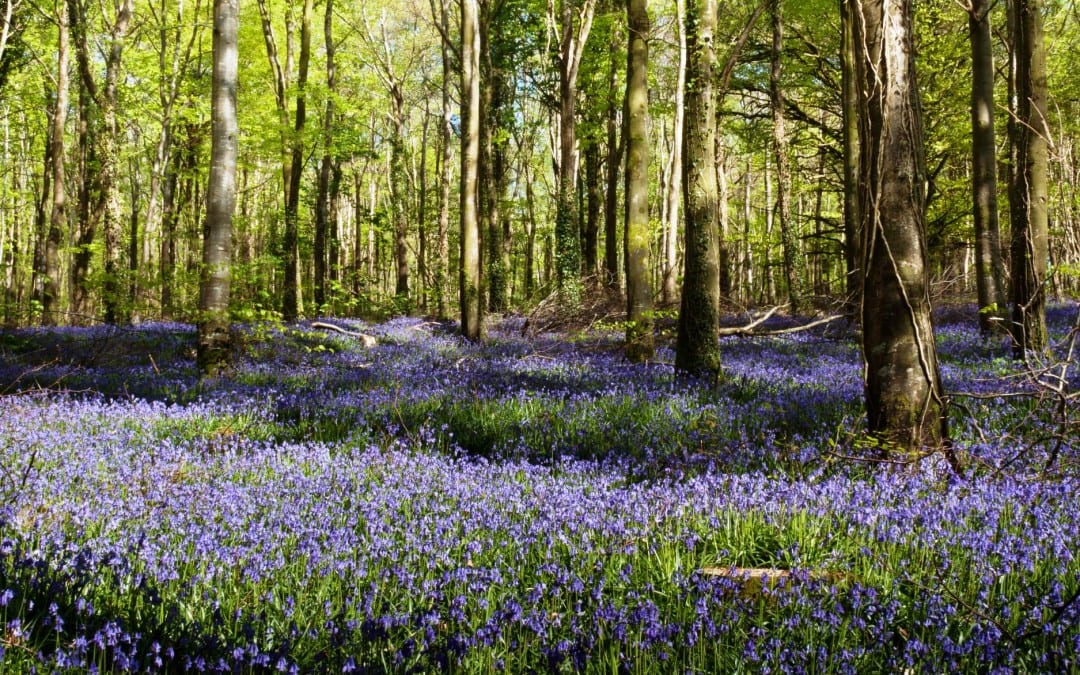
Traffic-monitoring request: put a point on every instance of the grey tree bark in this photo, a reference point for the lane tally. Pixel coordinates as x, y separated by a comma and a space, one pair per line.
906, 407
697, 348
794, 263
850, 134
470, 299
989, 271
567, 235
213, 339
639, 320
324, 198
1028, 189
58, 213
292, 305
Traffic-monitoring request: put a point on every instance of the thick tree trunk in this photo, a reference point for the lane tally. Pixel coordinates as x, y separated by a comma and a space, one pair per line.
697, 349
213, 344
906, 407
989, 272
1028, 190
639, 320
470, 300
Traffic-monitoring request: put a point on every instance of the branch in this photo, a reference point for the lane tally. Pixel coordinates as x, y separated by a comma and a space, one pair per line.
365, 339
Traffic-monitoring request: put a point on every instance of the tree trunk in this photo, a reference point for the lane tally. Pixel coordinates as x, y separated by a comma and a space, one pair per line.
292, 302
1028, 189
567, 235
593, 203
88, 179
111, 215
470, 300
50, 298
213, 341
446, 132
400, 205
850, 141
697, 349
668, 286
794, 263
639, 320
614, 161
326, 166
989, 273
906, 408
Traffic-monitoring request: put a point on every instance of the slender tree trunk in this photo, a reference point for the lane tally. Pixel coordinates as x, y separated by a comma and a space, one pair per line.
614, 161
530, 242
567, 235
58, 212
639, 320
723, 249
111, 217
326, 166
850, 140
213, 344
400, 205
440, 15
424, 281
494, 100
593, 203
88, 179
292, 302
42, 203
697, 349
989, 274
905, 404
668, 286
1028, 191
794, 263
135, 241
470, 300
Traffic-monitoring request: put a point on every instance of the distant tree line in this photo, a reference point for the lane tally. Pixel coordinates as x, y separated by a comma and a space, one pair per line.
693, 154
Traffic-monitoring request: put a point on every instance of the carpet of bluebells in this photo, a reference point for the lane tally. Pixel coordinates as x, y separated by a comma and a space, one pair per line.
527, 505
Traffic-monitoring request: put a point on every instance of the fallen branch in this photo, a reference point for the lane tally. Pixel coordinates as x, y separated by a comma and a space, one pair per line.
749, 329
365, 339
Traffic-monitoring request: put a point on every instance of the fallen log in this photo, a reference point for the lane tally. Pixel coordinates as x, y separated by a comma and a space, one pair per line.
365, 339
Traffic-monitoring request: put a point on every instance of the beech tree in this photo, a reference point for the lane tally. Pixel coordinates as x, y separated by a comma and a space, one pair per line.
58, 212
1028, 184
574, 24
639, 323
213, 341
906, 407
471, 303
989, 271
697, 349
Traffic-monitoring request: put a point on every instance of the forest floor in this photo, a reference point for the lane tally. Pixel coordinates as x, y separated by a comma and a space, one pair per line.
531, 504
